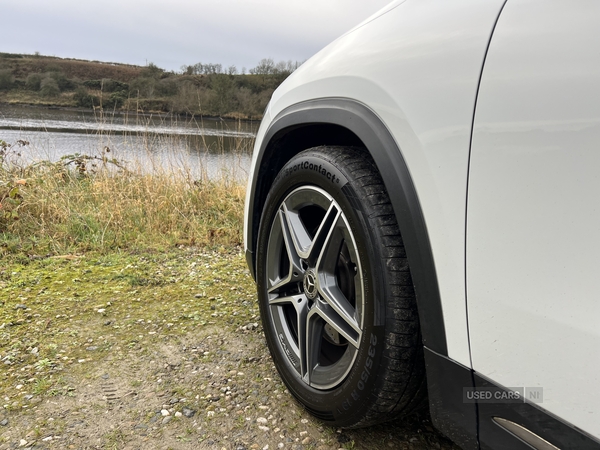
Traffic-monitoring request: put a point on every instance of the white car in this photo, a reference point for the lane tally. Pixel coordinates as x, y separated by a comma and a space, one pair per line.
423, 221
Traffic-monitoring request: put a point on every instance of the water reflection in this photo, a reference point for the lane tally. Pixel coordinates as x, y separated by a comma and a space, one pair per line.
205, 147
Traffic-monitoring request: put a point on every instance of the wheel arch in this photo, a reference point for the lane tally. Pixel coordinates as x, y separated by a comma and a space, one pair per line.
340, 121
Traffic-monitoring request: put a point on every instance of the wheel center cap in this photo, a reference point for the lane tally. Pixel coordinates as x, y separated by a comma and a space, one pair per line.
310, 284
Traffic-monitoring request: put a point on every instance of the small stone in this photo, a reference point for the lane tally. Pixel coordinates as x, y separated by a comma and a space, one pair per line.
22, 443
306, 441
21, 306
19, 386
263, 428
166, 420
304, 421
280, 445
28, 397
187, 412
91, 348
4, 422
102, 310
261, 420
174, 400
199, 295
164, 412
178, 414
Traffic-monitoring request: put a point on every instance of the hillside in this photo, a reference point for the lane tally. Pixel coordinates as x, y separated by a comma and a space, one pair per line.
201, 89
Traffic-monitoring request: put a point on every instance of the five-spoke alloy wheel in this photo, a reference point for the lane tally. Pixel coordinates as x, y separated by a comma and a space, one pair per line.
315, 286
335, 291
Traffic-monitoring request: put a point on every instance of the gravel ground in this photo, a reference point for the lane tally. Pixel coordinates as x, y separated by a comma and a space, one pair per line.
154, 351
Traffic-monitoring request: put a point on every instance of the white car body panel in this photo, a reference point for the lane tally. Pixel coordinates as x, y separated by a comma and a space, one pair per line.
430, 65
533, 245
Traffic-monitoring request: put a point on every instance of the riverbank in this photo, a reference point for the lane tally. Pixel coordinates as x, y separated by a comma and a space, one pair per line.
199, 90
90, 204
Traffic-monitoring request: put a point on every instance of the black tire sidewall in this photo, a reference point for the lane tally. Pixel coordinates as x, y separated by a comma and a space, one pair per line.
348, 402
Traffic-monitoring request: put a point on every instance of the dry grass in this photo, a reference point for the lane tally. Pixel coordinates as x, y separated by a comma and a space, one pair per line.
72, 68
84, 204
19, 97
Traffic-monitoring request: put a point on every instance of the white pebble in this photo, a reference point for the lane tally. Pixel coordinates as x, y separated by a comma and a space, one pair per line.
165, 412
261, 420
263, 428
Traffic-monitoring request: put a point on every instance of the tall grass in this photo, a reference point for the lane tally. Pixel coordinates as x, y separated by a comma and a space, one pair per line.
95, 203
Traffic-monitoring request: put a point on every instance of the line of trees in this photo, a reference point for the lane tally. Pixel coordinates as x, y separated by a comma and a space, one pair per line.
266, 66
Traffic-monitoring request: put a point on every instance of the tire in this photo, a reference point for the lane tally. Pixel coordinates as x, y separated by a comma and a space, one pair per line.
335, 292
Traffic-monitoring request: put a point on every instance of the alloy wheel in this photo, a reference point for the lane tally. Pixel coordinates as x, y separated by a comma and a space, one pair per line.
315, 287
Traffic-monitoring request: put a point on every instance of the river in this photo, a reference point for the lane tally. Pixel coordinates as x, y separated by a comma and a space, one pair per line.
202, 147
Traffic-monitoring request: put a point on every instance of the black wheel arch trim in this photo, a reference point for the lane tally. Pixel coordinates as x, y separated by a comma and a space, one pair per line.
367, 129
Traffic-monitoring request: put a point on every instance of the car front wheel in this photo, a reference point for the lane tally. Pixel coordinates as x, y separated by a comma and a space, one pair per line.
335, 291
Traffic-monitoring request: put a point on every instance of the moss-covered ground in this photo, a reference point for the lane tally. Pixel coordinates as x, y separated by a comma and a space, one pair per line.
152, 350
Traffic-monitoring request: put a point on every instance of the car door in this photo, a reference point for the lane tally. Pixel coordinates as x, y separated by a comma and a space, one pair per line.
533, 215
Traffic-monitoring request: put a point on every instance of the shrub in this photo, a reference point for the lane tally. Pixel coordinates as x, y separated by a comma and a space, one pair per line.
34, 82
224, 89
115, 101
49, 88
93, 84
142, 87
6, 79
166, 87
110, 85
84, 99
63, 83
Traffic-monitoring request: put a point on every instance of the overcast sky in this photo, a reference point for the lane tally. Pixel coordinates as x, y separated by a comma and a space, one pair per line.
171, 33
